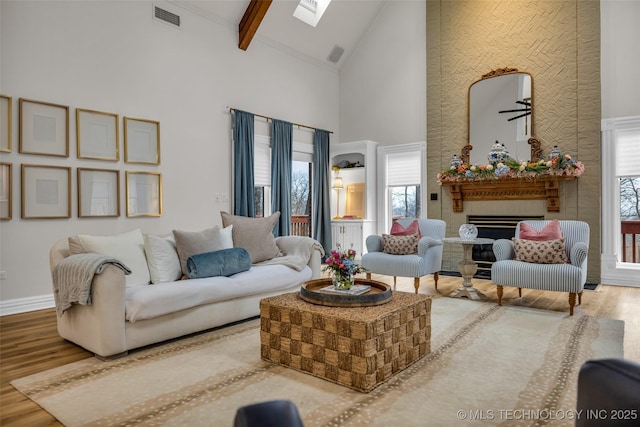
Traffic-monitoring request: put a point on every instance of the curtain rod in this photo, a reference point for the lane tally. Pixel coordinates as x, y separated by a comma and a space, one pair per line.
271, 118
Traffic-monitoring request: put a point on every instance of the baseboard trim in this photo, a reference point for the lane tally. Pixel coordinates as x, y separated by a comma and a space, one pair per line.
23, 305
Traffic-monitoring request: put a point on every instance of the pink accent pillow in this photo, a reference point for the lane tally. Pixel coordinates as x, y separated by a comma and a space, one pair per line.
398, 230
550, 231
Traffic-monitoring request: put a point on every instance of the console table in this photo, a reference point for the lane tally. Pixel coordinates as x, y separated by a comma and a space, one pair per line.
468, 267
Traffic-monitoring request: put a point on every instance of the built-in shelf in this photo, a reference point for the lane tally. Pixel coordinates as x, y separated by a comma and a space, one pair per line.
540, 188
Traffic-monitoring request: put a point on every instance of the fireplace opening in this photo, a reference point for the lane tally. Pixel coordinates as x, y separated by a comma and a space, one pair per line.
493, 227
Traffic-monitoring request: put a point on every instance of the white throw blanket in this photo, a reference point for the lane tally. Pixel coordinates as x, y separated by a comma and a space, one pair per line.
294, 253
72, 278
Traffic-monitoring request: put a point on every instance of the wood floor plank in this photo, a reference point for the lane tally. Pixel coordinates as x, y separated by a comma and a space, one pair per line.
29, 342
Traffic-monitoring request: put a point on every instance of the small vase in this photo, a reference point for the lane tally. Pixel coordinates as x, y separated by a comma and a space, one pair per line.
468, 231
342, 282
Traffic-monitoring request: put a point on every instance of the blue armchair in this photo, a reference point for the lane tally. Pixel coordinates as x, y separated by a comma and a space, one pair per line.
428, 260
565, 277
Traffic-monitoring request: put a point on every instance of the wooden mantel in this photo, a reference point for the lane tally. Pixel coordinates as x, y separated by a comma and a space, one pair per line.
538, 188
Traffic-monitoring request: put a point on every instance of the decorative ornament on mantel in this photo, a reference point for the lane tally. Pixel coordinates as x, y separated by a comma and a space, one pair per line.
557, 165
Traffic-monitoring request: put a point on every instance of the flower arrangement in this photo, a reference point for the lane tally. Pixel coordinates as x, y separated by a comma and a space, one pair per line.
511, 168
342, 266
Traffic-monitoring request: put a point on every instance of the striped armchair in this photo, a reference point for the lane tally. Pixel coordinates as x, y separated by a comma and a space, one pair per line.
428, 260
569, 277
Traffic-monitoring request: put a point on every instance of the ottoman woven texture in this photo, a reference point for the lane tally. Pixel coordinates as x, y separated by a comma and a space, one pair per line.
358, 347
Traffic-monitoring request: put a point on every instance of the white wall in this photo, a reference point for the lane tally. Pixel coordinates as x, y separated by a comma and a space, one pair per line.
114, 57
383, 86
620, 58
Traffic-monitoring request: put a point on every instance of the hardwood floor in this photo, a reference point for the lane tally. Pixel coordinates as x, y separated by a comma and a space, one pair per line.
29, 342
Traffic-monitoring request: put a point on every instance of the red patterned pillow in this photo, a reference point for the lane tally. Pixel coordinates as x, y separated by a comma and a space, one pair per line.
400, 245
550, 231
398, 230
540, 252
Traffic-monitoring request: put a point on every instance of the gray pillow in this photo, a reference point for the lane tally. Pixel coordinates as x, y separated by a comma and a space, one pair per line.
196, 242
254, 234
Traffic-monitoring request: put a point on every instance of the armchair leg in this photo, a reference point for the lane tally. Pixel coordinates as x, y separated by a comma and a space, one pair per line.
580, 298
500, 290
394, 282
519, 292
436, 275
572, 302
416, 283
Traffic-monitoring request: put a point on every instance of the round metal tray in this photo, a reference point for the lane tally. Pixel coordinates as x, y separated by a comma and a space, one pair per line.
380, 293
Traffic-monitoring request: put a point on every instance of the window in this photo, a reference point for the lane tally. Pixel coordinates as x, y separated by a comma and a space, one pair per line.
628, 177
401, 168
301, 189
262, 176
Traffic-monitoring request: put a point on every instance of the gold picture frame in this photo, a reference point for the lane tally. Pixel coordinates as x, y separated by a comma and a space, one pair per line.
6, 118
6, 191
97, 135
44, 128
141, 141
144, 193
98, 193
46, 192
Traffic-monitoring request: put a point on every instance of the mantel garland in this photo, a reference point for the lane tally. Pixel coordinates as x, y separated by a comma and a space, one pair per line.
562, 165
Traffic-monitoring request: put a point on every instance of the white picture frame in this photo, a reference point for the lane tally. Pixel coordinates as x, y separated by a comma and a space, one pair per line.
6, 120
46, 192
6, 191
98, 193
141, 141
44, 128
97, 135
144, 193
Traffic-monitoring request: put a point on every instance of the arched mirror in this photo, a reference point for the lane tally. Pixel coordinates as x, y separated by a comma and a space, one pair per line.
501, 109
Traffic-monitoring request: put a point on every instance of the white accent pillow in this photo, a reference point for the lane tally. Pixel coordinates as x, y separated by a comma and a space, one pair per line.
127, 247
162, 257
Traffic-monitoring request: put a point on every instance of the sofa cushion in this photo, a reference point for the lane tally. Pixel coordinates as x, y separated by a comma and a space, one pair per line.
254, 234
162, 258
400, 245
224, 262
126, 247
544, 252
551, 231
398, 230
148, 302
197, 242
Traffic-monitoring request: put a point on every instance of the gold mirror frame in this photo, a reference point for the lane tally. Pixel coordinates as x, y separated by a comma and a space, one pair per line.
536, 151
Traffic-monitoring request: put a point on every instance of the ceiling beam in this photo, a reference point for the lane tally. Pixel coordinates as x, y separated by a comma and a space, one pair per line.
251, 21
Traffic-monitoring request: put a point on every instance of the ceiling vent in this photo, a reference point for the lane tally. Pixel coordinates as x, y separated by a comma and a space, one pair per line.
166, 16
335, 54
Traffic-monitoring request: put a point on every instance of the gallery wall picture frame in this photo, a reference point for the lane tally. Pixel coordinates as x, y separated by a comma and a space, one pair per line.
144, 193
97, 135
6, 119
98, 193
43, 129
46, 192
6, 191
141, 141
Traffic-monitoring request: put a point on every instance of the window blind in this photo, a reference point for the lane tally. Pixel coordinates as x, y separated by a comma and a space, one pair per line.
403, 168
262, 164
628, 152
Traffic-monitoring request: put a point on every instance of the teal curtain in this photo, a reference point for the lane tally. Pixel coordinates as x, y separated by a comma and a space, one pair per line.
243, 184
281, 165
320, 191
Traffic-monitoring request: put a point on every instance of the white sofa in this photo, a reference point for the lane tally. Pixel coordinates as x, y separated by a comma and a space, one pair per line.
121, 317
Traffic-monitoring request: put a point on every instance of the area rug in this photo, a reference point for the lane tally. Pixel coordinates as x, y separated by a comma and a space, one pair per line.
488, 365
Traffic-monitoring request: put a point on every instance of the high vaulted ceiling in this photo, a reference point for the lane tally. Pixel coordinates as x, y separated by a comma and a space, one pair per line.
344, 24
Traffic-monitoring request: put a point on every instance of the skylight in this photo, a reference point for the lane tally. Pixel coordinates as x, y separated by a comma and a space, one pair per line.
310, 11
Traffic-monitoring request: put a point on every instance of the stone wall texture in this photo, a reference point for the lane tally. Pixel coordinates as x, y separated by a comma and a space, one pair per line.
558, 43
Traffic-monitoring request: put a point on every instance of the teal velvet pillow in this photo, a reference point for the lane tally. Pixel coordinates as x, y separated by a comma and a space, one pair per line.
224, 262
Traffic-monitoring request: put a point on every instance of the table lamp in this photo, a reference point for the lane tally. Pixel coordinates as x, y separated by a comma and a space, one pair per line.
337, 185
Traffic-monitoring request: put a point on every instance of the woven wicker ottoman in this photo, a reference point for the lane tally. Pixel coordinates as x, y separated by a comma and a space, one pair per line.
358, 347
